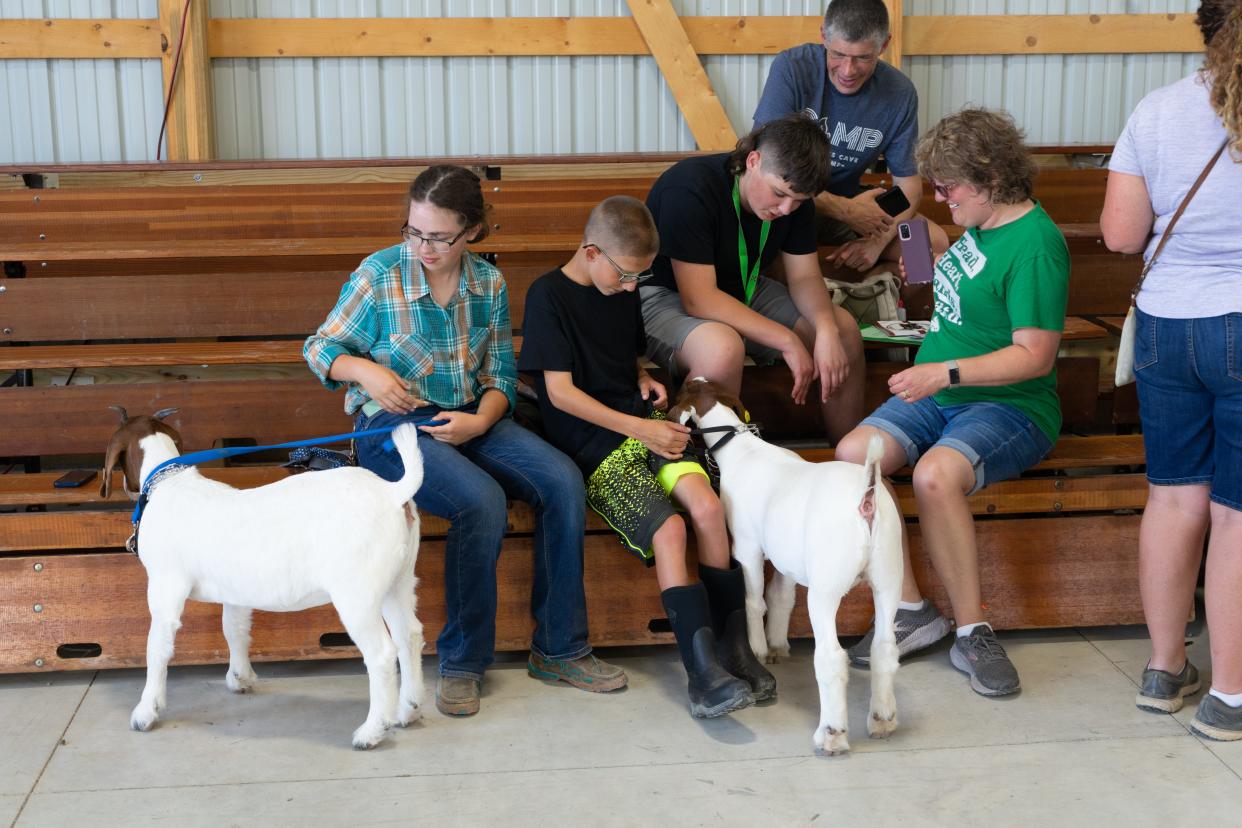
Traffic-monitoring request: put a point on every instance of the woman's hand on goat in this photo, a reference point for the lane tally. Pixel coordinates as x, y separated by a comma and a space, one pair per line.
919, 381
387, 389
460, 427
664, 437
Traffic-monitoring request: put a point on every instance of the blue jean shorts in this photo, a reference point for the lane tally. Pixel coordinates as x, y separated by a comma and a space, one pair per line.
1190, 401
999, 440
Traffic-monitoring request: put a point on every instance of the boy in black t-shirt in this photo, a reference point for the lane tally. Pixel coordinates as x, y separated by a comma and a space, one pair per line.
723, 220
583, 344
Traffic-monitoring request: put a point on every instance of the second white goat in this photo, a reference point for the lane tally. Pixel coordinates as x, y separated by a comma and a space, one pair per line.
344, 536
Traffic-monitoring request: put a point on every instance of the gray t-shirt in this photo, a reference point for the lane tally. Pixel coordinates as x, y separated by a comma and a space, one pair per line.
1169, 137
881, 117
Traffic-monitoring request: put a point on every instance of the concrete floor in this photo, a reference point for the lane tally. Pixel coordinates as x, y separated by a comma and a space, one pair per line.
1071, 749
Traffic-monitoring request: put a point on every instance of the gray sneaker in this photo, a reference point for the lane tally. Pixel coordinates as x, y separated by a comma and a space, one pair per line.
915, 630
1217, 720
981, 656
1164, 692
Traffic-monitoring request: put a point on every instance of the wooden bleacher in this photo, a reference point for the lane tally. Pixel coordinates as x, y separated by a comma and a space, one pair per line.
200, 296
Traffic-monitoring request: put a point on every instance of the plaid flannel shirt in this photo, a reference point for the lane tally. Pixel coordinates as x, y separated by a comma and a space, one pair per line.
386, 313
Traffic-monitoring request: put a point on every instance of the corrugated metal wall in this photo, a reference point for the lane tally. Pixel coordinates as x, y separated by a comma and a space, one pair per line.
82, 111
1057, 99
79, 110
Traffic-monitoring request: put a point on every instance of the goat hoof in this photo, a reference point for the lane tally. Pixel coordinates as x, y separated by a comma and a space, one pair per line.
880, 727
142, 721
367, 737
831, 743
240, 684
408, 714
777, 653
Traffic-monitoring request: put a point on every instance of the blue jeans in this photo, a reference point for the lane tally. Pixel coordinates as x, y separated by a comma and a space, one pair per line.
470, 485
999, 440
1190, 401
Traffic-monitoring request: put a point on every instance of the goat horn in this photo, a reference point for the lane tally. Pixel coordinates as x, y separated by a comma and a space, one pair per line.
120, 410
164, 412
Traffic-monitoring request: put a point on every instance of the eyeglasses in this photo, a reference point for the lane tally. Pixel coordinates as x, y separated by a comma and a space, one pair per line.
943, 190
861, 60
624, 276
417, 240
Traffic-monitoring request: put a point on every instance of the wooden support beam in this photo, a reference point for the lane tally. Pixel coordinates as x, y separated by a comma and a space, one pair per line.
584, 36
1071, 34
684, 73
896, 43
66, 38
190, 135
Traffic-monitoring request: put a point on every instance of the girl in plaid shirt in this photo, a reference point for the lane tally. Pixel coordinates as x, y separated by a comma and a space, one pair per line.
421, 334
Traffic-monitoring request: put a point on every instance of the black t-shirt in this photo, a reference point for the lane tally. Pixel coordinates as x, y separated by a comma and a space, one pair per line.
598, 340
692, 203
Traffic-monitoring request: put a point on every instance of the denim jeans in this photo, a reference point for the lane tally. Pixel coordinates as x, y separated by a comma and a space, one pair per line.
469, 485
999, 440
1190, 401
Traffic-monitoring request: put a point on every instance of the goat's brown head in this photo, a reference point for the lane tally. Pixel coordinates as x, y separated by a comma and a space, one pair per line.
698, 395
123, 448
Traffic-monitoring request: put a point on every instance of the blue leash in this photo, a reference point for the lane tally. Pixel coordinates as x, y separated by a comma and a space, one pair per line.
176, 464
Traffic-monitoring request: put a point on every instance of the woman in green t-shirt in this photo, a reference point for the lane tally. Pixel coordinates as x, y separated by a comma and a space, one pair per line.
980, 404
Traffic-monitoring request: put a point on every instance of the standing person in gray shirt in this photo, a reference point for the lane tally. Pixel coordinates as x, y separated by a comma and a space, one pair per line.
867, 109
1188, 361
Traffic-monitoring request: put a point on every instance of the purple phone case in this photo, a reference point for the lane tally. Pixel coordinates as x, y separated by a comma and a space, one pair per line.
915, 251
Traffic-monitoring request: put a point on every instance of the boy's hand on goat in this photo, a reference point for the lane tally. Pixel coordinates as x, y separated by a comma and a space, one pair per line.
388, 389
831, 363
664, 437
460, 427
652, 390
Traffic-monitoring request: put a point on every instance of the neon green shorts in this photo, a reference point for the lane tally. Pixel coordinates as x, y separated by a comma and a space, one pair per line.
631, 490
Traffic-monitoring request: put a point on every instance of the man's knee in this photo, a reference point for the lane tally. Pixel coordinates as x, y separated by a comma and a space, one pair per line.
712, 347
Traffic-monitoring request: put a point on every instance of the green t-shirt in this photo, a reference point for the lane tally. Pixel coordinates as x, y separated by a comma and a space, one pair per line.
989, 284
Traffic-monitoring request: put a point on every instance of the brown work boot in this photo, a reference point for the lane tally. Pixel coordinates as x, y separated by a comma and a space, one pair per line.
585, 673
457, 696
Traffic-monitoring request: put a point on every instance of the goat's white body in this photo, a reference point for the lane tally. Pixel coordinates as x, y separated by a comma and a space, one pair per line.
342, 536
807, 519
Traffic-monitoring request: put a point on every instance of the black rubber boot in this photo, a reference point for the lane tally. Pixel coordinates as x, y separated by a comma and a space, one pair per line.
713, 692
726, 592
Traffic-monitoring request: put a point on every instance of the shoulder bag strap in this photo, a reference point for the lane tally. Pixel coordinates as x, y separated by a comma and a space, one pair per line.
1180, 209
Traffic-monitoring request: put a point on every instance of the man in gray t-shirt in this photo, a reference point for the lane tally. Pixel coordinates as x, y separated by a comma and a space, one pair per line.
866, 108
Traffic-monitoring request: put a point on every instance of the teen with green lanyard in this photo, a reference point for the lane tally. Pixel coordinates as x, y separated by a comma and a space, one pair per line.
723, 220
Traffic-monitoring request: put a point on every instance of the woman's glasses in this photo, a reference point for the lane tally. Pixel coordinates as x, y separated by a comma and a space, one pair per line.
417, 240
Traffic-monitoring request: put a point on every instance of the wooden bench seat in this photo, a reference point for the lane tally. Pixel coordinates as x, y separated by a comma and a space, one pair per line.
1068, 577
199, 296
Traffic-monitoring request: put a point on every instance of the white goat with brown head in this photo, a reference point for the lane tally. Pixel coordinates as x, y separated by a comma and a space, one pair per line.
343, 536
823, 525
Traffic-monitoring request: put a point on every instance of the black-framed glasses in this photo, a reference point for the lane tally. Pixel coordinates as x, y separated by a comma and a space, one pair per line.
417, 240
623, 276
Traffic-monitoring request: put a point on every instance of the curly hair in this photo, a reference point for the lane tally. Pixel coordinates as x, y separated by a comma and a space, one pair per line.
455, 189
983, 148
794, 147
1220, 22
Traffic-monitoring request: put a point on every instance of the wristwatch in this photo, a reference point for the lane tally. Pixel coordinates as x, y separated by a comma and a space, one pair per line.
955, 376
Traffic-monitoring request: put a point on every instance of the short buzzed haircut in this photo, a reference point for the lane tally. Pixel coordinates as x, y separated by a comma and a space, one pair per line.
623, 226
856, 21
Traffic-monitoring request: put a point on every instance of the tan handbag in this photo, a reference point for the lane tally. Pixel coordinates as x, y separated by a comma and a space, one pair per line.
1124, 375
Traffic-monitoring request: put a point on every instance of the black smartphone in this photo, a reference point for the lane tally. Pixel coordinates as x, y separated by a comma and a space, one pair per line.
74, 479
893, 201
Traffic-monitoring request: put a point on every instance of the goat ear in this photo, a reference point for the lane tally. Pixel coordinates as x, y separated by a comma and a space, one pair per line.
164, 412
115, 449
683, 414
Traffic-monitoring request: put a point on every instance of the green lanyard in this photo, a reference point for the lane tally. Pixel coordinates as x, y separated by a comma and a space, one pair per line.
750, 276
